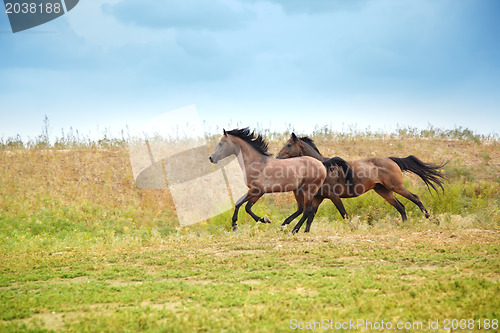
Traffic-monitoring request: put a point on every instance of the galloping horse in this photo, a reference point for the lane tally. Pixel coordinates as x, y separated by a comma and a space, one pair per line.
383, 175
264, 174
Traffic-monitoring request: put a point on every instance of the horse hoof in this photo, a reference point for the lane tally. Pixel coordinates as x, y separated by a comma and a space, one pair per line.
294, 231
427, 215
235, 228
266, 220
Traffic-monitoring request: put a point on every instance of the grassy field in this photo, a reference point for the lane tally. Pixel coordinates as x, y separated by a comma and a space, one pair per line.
83, 249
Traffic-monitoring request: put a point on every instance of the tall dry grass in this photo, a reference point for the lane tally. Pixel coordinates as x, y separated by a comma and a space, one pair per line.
87, 186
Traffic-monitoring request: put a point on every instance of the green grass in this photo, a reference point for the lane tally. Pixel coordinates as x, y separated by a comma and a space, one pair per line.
84, 250
255, 280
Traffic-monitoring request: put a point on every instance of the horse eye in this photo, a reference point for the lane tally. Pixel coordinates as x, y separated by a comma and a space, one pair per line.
289, 145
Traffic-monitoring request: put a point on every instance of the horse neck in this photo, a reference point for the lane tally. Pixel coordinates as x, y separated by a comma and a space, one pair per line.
248, 155
310, 151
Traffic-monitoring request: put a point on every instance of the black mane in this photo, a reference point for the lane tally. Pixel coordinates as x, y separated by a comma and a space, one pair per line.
310, 142
256, 141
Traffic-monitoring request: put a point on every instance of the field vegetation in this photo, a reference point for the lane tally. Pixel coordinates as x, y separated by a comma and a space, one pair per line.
83, 249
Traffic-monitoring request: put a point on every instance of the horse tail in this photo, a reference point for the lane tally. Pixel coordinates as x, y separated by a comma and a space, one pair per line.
429, 172
346, 168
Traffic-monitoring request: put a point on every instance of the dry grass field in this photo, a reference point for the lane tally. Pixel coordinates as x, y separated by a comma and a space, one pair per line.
83, 249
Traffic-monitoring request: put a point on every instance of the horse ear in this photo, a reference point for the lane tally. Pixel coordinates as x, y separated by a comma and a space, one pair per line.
224, 131
294, 137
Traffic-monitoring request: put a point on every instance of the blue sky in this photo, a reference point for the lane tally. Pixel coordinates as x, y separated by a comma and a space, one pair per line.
268, 63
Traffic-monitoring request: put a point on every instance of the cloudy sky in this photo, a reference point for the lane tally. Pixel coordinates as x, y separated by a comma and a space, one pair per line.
379, 64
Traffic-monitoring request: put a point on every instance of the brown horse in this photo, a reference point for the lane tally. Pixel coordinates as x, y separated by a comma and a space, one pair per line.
383, 175
264, 174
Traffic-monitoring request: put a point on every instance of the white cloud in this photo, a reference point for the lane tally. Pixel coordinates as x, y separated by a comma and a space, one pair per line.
316, 6
100, 29
193, 14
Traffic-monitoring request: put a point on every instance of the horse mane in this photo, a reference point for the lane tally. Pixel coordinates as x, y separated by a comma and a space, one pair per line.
310, 142
257, 141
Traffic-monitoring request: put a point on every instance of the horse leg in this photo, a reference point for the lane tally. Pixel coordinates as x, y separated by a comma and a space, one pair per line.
307, 213
237, 206
401, 190
390, 198
340, 206
248, 209
317, 200
311, 202
308, 204
299, 197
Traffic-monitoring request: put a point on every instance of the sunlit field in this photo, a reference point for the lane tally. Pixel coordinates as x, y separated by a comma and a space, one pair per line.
84, 249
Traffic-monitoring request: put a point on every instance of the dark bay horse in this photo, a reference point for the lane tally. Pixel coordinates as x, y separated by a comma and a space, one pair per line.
383, 175
264, 174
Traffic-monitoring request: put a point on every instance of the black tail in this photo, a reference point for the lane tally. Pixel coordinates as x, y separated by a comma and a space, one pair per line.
429, 172
346, 168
